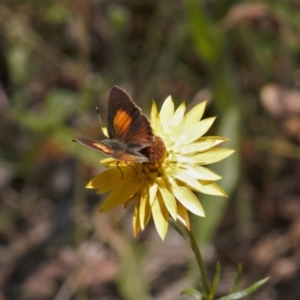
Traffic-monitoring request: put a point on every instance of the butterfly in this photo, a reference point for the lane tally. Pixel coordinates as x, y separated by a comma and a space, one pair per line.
129, 130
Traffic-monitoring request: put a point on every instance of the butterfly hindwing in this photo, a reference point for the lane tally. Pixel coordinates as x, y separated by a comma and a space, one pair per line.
95, 145
113, 148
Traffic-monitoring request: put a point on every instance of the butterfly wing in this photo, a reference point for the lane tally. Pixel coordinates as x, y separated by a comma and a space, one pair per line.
126, 121
113, 149
95, 145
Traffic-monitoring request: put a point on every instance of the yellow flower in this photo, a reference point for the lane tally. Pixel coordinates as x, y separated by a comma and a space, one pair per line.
165, 186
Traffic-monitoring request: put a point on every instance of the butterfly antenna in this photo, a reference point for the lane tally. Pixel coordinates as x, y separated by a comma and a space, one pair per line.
98, 114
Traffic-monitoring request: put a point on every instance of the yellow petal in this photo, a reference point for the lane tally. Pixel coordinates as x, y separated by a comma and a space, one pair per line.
108, 160
189, 181
105, 132
178, 115
199, 172
109, 179
180, 159
194, 115
144, 209
168, 140
187, 198
177, 130
160, 216
201, 145
120, 194
155, 120
217, 139
167, 111
211, 188
180, 174
205, 187
195, 131
208, 157
135, 219
174, 128
152, 193
212, 155
183, 216
167, 196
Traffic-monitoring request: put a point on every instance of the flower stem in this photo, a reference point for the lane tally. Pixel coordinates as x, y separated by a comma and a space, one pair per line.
200, 262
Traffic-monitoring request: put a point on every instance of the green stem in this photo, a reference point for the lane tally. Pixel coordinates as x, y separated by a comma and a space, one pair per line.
189, 237
179, 230
200, 262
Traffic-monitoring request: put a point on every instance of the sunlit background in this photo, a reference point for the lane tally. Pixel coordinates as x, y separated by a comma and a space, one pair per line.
59, 59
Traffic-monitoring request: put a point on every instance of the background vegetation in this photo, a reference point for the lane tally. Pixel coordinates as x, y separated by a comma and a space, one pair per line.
59, 59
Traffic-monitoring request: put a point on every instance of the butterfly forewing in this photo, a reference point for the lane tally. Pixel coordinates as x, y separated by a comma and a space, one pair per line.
140, 136
126, 121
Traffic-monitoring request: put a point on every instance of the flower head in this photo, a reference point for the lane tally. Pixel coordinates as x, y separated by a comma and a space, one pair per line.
164, 187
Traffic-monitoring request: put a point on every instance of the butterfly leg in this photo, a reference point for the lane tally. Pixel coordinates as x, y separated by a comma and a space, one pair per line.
135, 171
120, 169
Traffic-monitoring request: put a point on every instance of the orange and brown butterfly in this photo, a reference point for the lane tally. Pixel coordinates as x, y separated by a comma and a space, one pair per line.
129, 130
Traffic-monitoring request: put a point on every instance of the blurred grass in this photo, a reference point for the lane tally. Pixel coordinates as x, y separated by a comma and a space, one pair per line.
62, 57
211, 47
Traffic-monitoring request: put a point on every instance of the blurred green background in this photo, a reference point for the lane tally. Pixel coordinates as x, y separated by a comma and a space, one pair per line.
59, 59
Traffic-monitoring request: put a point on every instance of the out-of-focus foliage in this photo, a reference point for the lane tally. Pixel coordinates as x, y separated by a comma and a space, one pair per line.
59, 59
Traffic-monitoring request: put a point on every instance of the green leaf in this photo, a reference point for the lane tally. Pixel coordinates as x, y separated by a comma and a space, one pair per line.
59, 104
238, 279
208, 41
193, 292
216, 280
248, 291
131, 270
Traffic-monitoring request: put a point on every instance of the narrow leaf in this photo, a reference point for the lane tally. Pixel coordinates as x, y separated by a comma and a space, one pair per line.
238, 279
193, 292
248, 291
216, 281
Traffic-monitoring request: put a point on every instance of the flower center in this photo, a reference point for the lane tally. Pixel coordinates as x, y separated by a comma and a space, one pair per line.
156, 153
